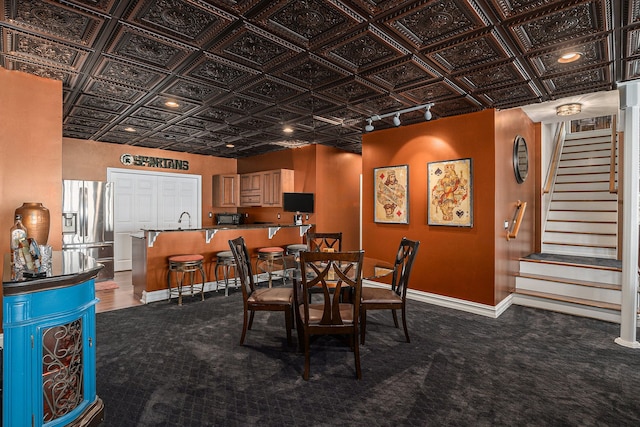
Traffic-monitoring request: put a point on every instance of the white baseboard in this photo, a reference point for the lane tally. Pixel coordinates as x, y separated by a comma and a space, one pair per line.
455, 303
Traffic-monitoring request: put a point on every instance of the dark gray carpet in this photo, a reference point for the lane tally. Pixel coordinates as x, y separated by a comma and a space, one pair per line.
164, 365
574, 259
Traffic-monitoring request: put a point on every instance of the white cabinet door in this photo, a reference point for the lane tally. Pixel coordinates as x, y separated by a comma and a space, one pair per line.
151, 201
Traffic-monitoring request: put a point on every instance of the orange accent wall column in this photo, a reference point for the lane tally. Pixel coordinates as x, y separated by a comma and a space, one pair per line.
30, 150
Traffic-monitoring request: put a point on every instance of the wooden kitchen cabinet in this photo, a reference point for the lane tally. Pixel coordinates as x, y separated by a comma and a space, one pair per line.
251, 189
265, 188
226, 190
274, 183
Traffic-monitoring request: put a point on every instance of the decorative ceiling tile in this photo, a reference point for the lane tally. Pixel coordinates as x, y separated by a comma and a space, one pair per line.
254, 47
469, 53
117, 138
40, 70
141, 124
545, 30
311, 71
634, 12
90, 113
632, 69
309, 22
512, 8
86, 123
311, 104
431, 92
148, 49
161, 103
100, 5
402, 73
352, 89
56, 19
424, 23
583, 78
217, 115
380, 105
195, 123
192, 90
506, 97
492, 76
453, 107
272, 90
130, 74
112, 90
150, 113
101, 103
221, 71
363, 50
633, 42
594, 52
181, 19
38, 49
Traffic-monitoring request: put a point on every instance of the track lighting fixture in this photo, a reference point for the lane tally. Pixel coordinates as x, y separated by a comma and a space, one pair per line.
396, 115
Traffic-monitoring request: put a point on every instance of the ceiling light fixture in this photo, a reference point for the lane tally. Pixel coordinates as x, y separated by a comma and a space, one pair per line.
568, 57
396, 115
229, 145
172, 104
287, 129
129, 129
568, 109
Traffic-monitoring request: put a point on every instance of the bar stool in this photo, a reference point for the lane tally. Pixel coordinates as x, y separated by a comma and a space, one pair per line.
183, 265
294, 250
267, 259
226, 261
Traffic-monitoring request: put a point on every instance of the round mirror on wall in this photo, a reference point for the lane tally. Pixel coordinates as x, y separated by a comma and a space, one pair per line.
520, 159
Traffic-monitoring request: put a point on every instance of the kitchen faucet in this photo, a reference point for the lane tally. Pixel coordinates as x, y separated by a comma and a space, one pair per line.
188, 215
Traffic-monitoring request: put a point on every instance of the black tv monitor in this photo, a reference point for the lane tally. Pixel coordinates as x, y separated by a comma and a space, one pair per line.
297, 202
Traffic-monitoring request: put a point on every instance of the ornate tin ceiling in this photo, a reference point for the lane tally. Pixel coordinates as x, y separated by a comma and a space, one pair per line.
242, 69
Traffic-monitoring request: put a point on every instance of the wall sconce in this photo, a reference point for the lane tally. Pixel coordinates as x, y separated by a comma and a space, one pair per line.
568, 109
396, 115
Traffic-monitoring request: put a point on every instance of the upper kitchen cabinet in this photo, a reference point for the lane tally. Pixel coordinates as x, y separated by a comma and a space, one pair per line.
226, 191
251, 189
265, 188
274, 183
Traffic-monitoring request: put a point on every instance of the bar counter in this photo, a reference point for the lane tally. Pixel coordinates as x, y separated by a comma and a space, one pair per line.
151, 249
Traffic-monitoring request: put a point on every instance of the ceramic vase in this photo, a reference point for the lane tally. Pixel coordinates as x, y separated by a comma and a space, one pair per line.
36, 218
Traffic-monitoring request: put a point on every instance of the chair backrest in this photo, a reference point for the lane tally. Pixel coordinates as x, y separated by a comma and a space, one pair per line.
243, 266
318, 242
403, 264
329, 275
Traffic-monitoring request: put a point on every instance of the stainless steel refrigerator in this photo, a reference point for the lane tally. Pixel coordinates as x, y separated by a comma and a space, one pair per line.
87, 221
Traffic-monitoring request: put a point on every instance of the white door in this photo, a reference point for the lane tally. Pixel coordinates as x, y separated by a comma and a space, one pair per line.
150, 201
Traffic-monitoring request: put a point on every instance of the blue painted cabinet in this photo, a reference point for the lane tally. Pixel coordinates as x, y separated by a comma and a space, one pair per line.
49, 366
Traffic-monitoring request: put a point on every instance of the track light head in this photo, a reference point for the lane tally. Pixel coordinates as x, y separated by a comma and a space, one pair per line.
369, 126
427, 114
396, 119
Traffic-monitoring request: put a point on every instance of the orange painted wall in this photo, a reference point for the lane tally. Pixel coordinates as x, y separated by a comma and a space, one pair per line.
89, 160
452, 261
508, 124
30, 150
330, 173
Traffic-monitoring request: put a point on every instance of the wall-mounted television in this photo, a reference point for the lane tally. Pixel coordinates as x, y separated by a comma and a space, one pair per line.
297, 202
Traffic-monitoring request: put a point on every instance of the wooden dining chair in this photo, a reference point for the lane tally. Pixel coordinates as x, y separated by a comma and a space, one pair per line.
329, 273
259, 299
394, 298
318, 242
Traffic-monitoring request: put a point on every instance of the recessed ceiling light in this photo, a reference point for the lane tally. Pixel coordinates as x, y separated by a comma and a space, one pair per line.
569, 57
229, 145
129, 129
172, 104
287, 129
568, 109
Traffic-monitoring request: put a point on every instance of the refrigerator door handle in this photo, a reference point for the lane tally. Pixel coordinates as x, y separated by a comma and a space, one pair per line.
84, 226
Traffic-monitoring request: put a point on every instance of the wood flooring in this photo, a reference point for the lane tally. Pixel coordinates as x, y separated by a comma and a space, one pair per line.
116, 299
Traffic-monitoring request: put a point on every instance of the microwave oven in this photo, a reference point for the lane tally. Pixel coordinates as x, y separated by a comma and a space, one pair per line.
228, 218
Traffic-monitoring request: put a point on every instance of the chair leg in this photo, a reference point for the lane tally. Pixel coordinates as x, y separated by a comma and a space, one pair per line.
404, 323
356, 353
287, 321
363, 324
204, 280
395, 318
244, 325
251, 319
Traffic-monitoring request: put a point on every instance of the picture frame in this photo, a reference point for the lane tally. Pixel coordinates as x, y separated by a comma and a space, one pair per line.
391, 194
450, 193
